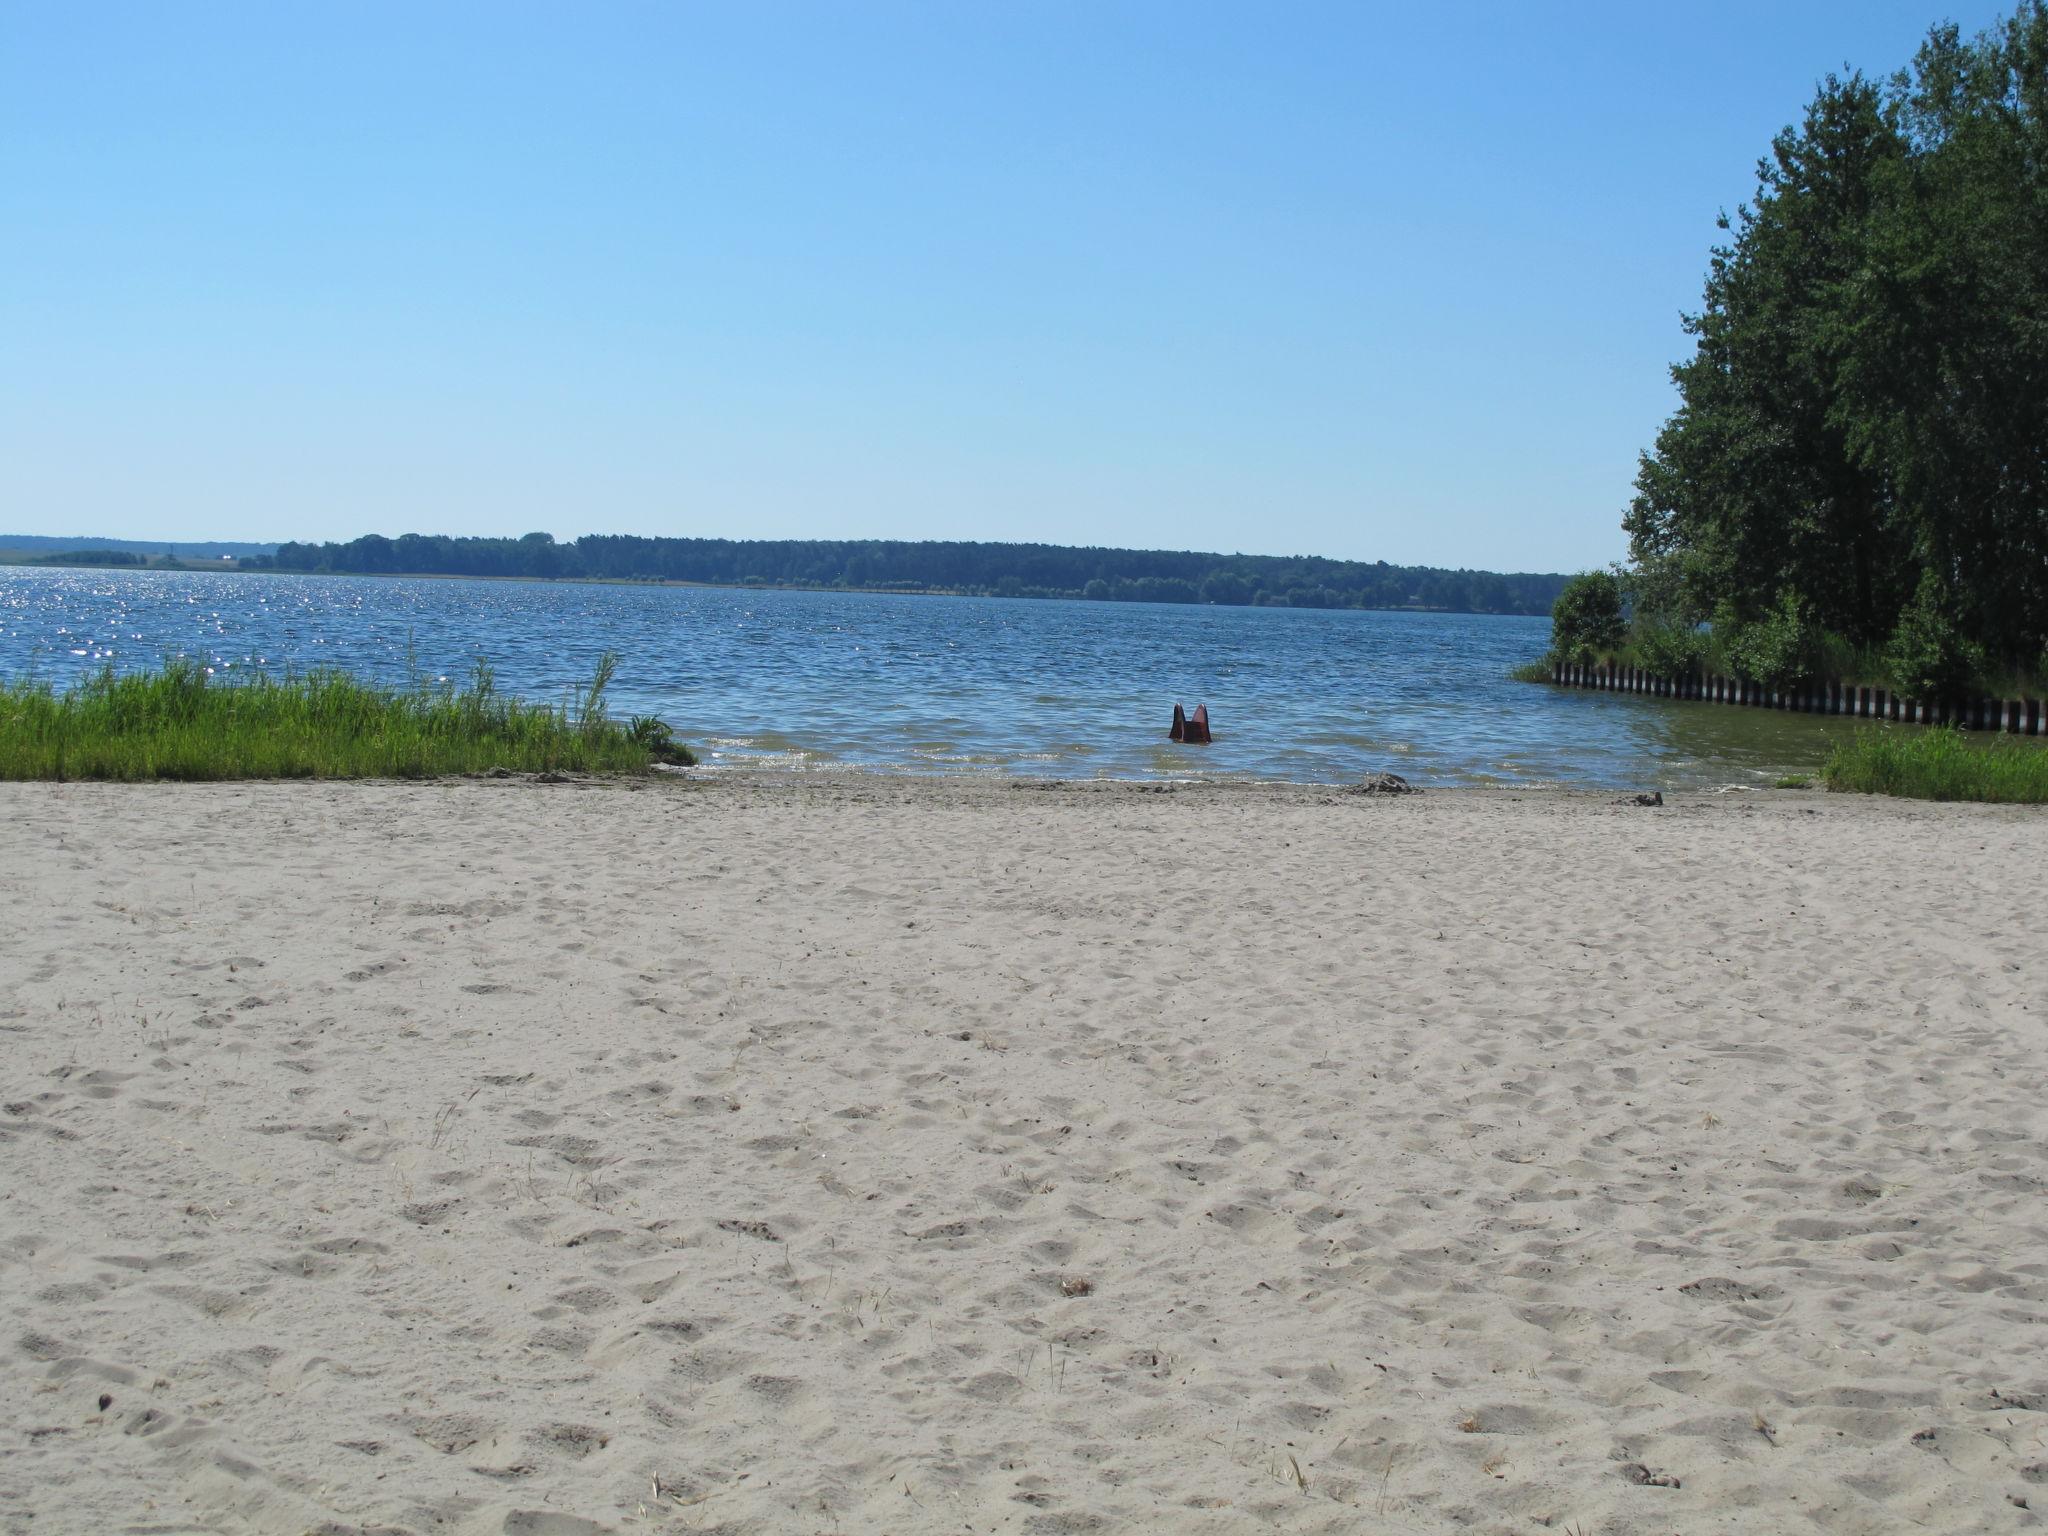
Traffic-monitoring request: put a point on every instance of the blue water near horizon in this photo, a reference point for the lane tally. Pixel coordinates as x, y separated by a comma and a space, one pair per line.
917, 684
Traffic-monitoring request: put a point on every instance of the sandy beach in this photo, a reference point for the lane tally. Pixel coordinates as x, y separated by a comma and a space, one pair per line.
847, 1155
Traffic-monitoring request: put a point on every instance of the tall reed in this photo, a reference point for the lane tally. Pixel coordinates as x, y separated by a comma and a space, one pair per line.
179, 722
1938, 763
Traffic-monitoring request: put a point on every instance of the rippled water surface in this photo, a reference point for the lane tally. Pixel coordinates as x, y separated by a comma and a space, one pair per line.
937, 684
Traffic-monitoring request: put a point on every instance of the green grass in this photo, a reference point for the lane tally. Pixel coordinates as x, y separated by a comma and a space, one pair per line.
182, 723
1530, 672
1796, 781
1938, 763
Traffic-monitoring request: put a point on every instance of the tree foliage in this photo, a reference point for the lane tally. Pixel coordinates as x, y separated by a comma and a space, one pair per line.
1861, 443
1587, 621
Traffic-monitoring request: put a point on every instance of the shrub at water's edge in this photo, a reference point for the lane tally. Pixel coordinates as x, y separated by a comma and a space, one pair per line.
181, 723
1938, 764
1587, 620
1611, 618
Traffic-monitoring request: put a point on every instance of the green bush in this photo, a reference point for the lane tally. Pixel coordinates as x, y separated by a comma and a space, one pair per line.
1668, 650
1929, 656
1586, 621
1772, 650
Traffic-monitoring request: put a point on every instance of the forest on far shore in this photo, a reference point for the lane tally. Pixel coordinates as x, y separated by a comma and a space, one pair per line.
975, 569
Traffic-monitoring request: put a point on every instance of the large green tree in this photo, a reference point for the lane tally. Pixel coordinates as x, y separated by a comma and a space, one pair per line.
1862, 431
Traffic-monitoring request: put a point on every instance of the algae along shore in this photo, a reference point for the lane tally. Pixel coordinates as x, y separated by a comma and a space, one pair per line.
770, 1154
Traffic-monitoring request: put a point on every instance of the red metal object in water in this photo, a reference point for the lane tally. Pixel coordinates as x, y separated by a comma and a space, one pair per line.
1192, 729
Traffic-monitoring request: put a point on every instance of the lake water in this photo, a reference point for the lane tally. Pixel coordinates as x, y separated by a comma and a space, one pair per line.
938, 684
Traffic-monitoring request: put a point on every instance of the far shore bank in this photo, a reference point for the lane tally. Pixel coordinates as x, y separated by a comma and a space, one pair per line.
234, 568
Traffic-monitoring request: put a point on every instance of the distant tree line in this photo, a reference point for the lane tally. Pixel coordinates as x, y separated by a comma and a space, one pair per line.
1857, 472
188, 549
121, 557
999, 570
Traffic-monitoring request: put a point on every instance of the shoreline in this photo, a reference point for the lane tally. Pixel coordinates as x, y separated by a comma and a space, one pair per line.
736, 586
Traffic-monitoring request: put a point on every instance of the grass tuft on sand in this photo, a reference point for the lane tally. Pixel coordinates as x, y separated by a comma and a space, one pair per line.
179, 722
1938, 763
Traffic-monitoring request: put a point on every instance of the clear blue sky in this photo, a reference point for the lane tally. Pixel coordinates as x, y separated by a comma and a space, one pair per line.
1389, 282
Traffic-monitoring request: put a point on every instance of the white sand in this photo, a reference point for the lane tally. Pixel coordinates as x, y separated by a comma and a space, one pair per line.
499, 1157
